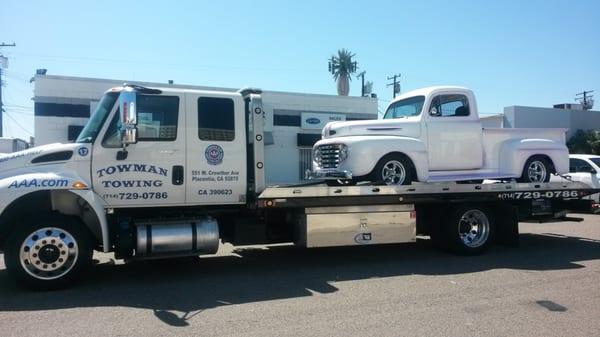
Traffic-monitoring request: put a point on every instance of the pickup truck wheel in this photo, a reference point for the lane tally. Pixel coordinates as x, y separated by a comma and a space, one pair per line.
537, 170
393, 170
469, 230
49, 252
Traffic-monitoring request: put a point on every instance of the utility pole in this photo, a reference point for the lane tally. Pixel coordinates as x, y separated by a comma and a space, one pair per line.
3, 64
586, 100
362, 88
396, 83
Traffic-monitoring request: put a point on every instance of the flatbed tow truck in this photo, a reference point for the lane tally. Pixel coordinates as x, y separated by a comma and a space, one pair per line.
154, 176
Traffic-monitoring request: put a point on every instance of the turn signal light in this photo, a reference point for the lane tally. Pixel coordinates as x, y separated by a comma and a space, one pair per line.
78, 185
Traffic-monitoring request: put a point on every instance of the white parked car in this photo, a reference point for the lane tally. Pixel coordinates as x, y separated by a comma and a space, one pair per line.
434, 134
586, 169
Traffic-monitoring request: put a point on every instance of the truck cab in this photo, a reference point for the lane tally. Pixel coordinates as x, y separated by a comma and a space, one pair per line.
435, 134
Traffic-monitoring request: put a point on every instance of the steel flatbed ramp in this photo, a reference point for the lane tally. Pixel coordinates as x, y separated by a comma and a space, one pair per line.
322, 195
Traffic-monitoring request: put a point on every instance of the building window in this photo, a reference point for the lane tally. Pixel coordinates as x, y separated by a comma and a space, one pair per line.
305, 163
216, 120
73, 132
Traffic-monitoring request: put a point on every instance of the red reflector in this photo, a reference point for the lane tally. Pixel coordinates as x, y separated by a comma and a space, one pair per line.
413, 214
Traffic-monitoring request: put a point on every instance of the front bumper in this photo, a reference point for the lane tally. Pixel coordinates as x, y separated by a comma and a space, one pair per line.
331, 174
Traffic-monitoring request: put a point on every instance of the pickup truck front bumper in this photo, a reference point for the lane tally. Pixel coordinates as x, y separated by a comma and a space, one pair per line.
331, 174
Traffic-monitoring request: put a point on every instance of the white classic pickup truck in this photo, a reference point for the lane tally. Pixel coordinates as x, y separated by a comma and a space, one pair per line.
434, 134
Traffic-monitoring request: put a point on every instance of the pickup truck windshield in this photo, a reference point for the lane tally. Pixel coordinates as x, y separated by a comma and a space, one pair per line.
411, 106
90, 131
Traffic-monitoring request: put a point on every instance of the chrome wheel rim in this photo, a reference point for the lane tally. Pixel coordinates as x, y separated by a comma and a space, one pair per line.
536, 172
49, 253
393, 173
473, 228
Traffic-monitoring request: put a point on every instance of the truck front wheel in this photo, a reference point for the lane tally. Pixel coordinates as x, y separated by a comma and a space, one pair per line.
48, 252
393, 169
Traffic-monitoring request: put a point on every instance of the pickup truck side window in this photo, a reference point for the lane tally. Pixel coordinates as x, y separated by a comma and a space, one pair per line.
450, 106
157, 120
579, 165
216, 119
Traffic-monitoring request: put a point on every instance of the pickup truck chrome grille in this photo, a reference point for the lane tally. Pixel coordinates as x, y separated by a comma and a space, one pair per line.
328, 156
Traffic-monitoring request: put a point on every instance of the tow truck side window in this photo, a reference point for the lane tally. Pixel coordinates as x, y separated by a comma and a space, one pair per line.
216, 119
157, 120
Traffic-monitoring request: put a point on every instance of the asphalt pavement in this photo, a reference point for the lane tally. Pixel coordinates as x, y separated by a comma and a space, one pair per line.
549, 286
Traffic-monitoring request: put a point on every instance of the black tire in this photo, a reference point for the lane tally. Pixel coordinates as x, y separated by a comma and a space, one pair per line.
64, 250
538, 164
469, 230
403, 167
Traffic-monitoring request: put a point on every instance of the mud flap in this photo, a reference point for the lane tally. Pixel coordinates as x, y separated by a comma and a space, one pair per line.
507, 225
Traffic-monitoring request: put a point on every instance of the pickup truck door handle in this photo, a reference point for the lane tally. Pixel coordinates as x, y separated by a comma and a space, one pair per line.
177, 175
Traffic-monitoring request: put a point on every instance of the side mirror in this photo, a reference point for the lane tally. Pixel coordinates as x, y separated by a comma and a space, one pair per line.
433, 111
128, 109
593, 171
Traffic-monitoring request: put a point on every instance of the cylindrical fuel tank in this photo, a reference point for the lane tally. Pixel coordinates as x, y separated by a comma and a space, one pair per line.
177, 238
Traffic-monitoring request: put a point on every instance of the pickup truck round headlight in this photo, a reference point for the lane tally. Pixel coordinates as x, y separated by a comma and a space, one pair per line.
317, 155
343, 152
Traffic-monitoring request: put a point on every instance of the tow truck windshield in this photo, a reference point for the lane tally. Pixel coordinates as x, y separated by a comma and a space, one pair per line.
91, 129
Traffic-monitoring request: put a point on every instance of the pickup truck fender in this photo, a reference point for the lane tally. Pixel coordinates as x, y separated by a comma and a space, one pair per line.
515, 152
365, 151
66, 193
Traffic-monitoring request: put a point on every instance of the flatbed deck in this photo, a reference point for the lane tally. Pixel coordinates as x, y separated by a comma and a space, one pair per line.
323, 195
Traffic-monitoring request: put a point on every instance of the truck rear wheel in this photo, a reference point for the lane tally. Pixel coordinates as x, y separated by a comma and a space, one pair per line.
537, 169
469, 230
48, 252
393, 169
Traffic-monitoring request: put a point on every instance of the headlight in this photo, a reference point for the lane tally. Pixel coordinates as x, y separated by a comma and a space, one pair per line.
343, 152
317, 155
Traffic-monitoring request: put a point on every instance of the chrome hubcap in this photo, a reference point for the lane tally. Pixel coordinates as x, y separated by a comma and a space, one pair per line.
48, 253
393, 173
473, 228
536, 172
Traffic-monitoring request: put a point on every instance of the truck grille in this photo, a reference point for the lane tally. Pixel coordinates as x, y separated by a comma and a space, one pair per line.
328, 156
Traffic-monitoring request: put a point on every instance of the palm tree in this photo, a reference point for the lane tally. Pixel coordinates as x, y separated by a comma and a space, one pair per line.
342, 67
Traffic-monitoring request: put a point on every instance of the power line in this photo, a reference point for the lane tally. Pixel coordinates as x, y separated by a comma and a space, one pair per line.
586, 99
3, 64
19, 124
396, 83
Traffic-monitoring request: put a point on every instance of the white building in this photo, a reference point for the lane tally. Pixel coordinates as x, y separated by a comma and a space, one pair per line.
293, 120
534, 117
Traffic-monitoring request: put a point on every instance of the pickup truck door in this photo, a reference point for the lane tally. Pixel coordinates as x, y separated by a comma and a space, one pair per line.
454, 136
216, 149
151, 173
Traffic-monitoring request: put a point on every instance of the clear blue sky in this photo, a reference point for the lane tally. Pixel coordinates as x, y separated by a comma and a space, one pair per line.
510, 52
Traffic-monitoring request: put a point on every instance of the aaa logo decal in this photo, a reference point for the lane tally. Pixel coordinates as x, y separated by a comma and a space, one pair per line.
214, 154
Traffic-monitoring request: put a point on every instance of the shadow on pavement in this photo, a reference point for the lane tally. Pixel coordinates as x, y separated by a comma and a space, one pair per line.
193, 285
